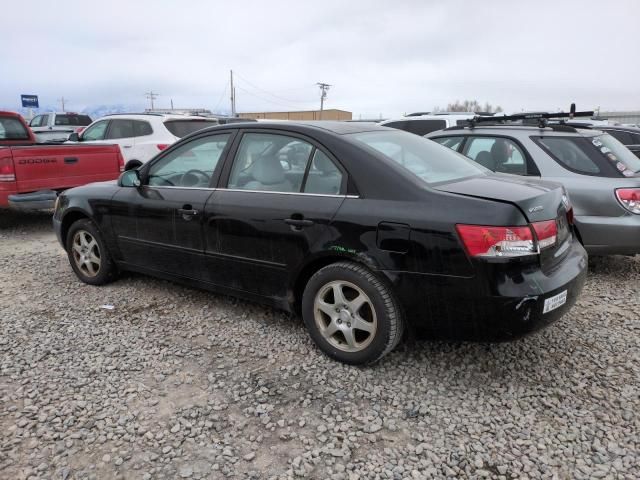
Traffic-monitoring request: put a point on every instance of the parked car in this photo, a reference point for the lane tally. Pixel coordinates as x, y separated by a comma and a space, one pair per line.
32, 175
56, 127
600, 174
142, 135
382, 231
422, 123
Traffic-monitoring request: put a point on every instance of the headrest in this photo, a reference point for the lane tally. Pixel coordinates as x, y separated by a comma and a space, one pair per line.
268, 171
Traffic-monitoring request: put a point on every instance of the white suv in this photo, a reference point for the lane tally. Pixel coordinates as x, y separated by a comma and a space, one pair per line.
141, 135
423, 123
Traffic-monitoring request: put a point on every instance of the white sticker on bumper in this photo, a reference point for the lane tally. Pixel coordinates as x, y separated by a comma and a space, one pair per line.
554, 302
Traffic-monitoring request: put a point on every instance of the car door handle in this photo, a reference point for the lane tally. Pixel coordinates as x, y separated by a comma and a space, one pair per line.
127, 146
298, 222
187, 212
70, 159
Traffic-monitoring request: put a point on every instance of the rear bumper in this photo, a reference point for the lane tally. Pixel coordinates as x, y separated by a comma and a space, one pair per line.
502, 302
610, 235
41, 200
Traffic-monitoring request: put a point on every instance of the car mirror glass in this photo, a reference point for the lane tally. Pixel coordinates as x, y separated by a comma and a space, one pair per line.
130, 178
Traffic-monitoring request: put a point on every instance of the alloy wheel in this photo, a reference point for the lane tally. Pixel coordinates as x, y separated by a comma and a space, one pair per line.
345, 316
86, 253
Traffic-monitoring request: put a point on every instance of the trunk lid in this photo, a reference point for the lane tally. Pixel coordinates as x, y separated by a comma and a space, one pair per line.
538, 200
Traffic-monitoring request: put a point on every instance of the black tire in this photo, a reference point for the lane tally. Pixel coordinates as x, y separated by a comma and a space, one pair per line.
383, 308
106, 270
132, 164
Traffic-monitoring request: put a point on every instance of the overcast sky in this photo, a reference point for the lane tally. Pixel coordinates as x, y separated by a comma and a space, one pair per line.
381, 57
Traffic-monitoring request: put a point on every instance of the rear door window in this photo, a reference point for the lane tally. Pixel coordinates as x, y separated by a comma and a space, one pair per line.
141, 128
498, 154
120, 129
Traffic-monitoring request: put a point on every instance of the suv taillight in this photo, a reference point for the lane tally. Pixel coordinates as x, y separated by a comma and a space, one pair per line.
629, 198
163, 146
492, 241
7, 170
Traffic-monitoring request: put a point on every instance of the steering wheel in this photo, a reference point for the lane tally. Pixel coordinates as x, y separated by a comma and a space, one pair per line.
197, 176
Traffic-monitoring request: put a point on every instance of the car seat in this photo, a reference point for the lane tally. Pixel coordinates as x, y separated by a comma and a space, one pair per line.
268, 174
485, 159
328, 182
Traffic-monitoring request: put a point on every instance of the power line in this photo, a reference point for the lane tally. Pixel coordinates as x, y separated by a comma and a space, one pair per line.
269, 93
290, 107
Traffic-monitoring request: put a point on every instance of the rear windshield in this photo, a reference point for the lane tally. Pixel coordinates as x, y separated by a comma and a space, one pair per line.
430, 162
73, 120
181, 128
601, 155
12, 129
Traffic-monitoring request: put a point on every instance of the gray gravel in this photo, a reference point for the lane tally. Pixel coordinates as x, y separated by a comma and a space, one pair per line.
179, 383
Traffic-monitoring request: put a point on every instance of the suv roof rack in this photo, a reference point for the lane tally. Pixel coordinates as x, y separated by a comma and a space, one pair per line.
541, 117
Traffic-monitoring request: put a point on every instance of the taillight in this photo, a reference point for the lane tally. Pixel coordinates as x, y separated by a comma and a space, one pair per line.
120, 161
629, 198
79, 129
546, 233
162, 146
489, 241
7, 170
570, 216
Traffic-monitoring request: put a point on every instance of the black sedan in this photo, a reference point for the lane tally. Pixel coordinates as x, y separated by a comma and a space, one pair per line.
366, 232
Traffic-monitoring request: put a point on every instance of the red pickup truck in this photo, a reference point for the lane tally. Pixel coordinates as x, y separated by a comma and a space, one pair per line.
32, 175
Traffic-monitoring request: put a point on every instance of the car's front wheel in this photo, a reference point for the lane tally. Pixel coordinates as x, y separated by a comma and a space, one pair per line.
88, 254
351, 314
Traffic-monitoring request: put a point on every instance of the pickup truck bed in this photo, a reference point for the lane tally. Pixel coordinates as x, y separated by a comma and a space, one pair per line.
32, 175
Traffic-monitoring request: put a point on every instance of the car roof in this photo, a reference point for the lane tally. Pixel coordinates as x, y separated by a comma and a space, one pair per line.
432, 116
337, 127
554, 130
164, 116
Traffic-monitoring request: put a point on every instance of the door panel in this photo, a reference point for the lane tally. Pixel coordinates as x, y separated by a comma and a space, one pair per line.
160, 224
255, 239
153, 230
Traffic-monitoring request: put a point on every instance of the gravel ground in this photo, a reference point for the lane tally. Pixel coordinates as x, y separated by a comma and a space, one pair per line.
179, 383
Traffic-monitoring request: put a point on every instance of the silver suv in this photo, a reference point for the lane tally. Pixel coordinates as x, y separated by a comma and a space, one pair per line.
601, 175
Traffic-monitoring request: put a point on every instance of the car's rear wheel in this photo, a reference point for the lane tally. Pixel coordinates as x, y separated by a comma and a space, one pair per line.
88, 254
351, 314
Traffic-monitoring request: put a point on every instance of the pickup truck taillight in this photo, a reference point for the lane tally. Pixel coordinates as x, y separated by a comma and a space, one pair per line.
492, 241
7, 170
120, 161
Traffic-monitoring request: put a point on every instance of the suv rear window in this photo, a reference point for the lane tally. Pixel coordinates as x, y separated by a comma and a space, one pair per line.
74, 120
599, 155
181, 128
12, 129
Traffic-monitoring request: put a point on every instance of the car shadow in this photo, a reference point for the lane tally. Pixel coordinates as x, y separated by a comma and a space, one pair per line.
25, 222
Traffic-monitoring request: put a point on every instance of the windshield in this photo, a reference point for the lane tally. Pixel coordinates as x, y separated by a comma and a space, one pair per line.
427, 160
12, 129
181, 128
619, 155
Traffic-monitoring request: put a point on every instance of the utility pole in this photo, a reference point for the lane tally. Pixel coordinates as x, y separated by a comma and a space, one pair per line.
172, 104
151, 96
233, 97
323, 89
61, 100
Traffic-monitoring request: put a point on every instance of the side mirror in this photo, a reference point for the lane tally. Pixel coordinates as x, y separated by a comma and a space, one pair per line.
130, 178
74, 137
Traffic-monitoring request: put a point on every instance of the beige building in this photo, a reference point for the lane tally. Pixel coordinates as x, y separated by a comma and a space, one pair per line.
330, 114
